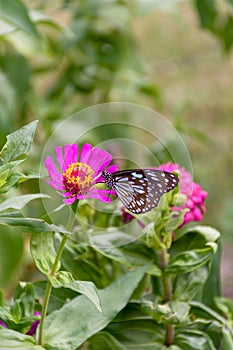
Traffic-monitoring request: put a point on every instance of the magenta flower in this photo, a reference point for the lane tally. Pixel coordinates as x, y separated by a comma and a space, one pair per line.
127, 217
34, 324
194, 193
3, 324
77, 175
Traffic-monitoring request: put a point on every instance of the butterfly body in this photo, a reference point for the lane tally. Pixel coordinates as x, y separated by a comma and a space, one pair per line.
140, 189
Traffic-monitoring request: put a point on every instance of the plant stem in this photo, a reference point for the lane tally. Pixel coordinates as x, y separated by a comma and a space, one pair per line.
44, 311
167, 289
48, 291
169, 336
49, 284
167, 286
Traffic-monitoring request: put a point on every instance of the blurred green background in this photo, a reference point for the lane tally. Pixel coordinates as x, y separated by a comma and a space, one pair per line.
58, 57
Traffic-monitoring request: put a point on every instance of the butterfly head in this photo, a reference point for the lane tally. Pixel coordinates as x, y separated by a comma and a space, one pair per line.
108, 179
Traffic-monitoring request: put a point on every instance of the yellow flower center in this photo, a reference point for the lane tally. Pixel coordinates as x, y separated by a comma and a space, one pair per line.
78, 178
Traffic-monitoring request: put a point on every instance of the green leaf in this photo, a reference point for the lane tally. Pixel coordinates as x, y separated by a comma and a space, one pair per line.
227, 339
19, 142
175, 221
18, 72
79, 259
137, 334
152, 236
193, 340
14, 12
212, 287
226, 306
30, 224
88, 289
207, 13
66, 280
58, 297
14, 179
10, 183
3, 177
3, 302
132, 311
204, 232
10, 339
83, 319
5, 170
20, 315
25, 295
209, 233
173, 312
203, 311
186, 286
60, 279
11, 253
18, 202
191, 260
119, 246
43, 251
8, 103
105, 341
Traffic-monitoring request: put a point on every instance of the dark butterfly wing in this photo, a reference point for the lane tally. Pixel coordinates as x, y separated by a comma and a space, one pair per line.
141, 189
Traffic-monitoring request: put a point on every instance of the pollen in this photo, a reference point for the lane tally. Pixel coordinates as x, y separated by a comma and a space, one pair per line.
78, 178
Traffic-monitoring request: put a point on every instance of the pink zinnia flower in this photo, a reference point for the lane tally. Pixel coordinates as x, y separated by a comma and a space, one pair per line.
78, 175
194, 193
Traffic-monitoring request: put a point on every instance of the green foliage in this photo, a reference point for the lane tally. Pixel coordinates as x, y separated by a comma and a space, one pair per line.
19, 202
11, 253
43, 251
15, 340
99, 285
134, 253
119, 314
13, 153
90, 319
18, 144
29, 224
20, 315
15, 14
217, 21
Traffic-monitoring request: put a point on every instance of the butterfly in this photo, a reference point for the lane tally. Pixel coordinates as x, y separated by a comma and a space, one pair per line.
140, 189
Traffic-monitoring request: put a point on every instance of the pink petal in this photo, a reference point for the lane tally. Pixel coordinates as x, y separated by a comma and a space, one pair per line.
203, 194
70, 200
111, 169
170, 167
81, 197
197, 214
59, 156
188, 217
203, 208
70, 155
84, 151
101, 195
97, 159
56, 186
66, 194
54, 174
